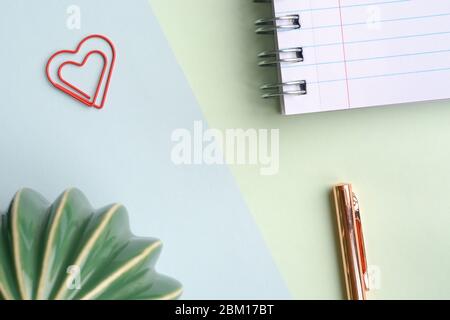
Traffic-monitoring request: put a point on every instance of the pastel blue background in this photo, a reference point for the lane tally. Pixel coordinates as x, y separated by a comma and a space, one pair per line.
49, 142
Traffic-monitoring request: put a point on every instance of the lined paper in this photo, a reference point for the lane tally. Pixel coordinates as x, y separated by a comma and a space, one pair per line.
362, 53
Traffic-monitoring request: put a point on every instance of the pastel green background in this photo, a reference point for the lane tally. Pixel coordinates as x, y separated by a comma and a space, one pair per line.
396, 157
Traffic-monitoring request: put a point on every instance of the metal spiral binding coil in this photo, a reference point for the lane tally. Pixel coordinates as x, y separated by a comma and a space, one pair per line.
270, 25
281, 56
276, 59
295, 88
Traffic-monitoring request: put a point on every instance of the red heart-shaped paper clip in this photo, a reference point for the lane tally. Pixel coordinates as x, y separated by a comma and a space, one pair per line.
101, 90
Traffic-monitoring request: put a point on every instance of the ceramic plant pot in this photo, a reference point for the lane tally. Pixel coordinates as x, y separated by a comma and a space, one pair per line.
68, 250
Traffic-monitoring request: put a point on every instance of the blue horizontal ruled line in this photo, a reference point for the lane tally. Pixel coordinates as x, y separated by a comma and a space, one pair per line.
300, 65
383, 75
378, 39
344, 7
379, 21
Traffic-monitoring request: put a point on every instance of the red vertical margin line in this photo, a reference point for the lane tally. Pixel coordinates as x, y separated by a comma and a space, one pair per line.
343, 52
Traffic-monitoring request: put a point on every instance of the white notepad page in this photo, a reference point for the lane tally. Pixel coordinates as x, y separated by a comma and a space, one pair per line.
362, 53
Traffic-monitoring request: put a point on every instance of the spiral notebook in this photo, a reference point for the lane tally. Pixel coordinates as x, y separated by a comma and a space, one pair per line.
343, 54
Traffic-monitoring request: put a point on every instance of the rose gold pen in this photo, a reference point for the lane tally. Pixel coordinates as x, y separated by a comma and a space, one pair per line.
351, 241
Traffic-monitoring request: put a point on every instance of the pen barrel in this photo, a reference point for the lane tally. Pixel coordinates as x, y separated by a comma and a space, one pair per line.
351, 242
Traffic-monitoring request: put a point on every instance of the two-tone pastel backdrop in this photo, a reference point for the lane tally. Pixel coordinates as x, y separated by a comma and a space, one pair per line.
398, 159
228, 231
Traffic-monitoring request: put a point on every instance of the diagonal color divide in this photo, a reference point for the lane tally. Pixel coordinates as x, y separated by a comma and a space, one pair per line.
396, 170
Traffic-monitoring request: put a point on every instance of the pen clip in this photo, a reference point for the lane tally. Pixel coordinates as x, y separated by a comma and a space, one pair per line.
360, 242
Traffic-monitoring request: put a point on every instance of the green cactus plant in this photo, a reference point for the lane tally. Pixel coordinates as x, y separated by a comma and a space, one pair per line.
69, 251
